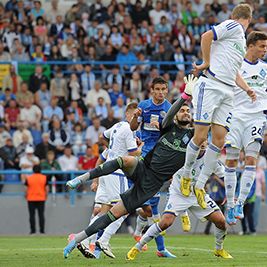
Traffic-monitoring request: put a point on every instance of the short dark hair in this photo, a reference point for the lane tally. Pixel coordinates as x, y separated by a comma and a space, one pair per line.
36, 168
131, 105
159, 80
255, 36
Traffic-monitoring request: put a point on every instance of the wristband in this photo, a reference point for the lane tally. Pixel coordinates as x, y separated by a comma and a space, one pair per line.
185, 96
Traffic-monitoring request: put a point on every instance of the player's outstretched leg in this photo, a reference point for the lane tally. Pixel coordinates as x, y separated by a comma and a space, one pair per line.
153, 231
220, 233
191, 155
103, 169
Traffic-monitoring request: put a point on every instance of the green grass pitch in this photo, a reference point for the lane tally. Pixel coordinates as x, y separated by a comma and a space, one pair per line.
191, 250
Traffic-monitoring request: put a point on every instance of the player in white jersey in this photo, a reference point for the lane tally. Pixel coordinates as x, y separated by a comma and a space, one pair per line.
223, 49
122, 142
177, 203
247, 125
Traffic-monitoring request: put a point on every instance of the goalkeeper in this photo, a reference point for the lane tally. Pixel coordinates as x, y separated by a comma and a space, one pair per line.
148, 175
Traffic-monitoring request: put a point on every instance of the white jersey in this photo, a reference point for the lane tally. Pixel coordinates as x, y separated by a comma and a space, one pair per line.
121, 140
255, 74
227, 51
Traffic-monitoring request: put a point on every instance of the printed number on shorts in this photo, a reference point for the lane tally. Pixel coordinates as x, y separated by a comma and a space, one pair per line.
211, 204
112, 140
229, 117
256, 131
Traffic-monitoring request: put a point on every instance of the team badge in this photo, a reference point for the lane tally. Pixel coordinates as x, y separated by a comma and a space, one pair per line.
185, 139
205, 115
263, 73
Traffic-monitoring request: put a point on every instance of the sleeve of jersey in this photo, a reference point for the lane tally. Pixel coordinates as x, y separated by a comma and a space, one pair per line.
225, 30
104, 155
107, 133
130, 140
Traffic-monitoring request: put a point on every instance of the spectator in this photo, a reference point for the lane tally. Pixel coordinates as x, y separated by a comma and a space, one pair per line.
12, 113
21, 148
42, 97
173, 14
24, 94
20, 54
110, 120
51, 111
114, 93
207, 12
224, 14
119, 109
115, 77
138, 13
87, 161
41, 30
36, 79
58, 137
38, 55
42, 148
27, 162
51, 164
178, 57
163, 27
101, 109
261, 25
156, 13
126, 57
78, 140
56, 28
36, 191
135, 88
31, 114
198, 7
12, 80
11, 159
58, 88
7, 96
87, 80
4, 135
188, 13
22, 130
216, 6
94, 94
78, 113
93, 132
107, 56
53, 12
4, 55
37, 11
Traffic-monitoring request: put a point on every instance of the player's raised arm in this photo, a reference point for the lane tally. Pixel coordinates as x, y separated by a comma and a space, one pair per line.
240, 82
190, 83
206, 40
134, 124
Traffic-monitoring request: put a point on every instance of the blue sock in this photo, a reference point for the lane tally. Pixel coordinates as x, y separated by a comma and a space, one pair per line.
155, 208
99, 234
160, 243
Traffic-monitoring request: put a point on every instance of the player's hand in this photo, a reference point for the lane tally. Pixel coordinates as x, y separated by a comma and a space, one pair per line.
251, 93
190, 82
155, 124
94, 186
137, 113
138, 141
201, 67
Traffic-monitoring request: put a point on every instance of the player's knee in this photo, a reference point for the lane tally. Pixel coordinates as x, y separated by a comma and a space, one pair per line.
220, 223
250, 160
199, 139
166, 221
148, 211
231, 163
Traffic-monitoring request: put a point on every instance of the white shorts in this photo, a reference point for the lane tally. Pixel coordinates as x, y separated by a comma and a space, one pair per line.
212, 101
177, 203
245, 129
110, 187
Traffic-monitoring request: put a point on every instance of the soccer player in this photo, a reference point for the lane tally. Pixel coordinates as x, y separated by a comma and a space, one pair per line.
148, 174
122, 142
177, 203
223, 50
247, 125
148, 117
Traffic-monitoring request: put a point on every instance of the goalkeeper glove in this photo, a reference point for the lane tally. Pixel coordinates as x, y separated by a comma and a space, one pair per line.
190, 82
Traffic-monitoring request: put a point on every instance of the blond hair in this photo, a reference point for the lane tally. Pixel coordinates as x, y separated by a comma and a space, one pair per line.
242, 11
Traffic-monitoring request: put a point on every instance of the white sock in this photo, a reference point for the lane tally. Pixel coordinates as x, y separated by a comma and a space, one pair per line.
111, 230
152, 232
219, 237
92, 238
141, 223
210, 163
230, 181
184, 213
190, 158
246, 182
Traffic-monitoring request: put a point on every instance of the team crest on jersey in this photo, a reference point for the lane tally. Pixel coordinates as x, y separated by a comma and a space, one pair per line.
162, 113
263, 73
185, 139
205, 115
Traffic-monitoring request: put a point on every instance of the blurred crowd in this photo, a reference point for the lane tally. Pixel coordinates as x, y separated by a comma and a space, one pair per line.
56, 120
